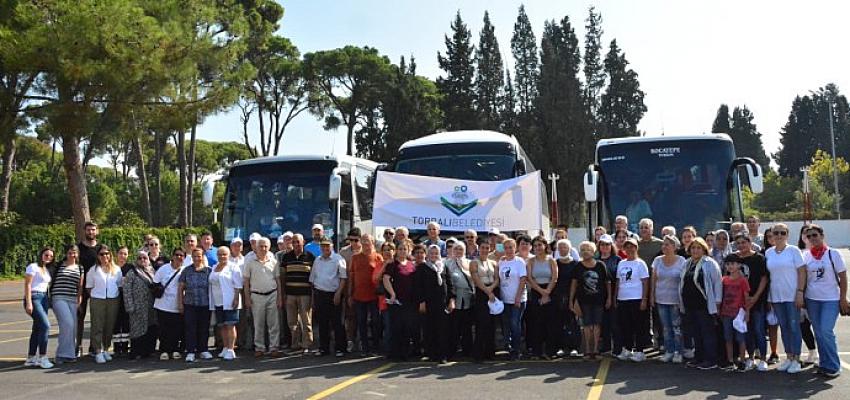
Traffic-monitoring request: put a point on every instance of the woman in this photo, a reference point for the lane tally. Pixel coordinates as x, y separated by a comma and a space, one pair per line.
523, 243
700, 294
569, 335
120, 334
401, 298
103, 282
138, 301
460, 301
805, 322
825, 297
610, 331
193, 301
486, 281
434, 286
512, 282
721, 247
157, 259
225, 287
66, 291
598, 232
36, 284
689, 233
620, 241
590, 295
787, 286
710, 241
667, 273
542, 273
388, 255
167, 310
770, 316
632, 291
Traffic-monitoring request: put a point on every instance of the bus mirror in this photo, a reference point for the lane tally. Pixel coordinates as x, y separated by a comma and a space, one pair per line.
335, 187
520, 167
208, 191
755, 177
590, 190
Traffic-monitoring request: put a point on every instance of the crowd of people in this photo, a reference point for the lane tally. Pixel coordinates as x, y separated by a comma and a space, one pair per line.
711, 301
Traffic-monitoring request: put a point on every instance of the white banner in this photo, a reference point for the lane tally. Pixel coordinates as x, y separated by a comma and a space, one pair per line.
458, 205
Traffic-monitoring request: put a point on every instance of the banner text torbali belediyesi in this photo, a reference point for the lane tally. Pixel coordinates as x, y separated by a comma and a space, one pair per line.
466, 223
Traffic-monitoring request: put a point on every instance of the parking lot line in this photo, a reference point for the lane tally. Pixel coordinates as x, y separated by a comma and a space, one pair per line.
336, 388
599, 380
845, 365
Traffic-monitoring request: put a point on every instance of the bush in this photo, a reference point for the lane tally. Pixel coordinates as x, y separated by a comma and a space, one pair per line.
19, 245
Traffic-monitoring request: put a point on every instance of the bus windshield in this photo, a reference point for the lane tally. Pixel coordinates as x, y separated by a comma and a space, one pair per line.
469, 161
675, 183
276, 197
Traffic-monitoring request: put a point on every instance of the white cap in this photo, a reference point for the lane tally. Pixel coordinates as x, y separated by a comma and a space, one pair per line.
255, 236
318, 226
280, 239
236, 240
495, 231
496, 306
606, 238
287, 234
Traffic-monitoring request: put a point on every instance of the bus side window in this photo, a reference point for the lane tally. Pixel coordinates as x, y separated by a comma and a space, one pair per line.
362, 182
346, 206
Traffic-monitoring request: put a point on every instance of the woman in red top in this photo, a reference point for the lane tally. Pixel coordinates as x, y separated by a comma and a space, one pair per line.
361, 293
402, 300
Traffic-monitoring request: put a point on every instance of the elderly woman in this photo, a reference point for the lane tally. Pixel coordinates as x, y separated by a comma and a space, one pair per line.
138, 301
564, 319
590, 295
667, 271
512, 289
460, 300
193, 301
400, 286
485, 277
433, 286
722, 247
700, 295
787, 287
542, 271
225, 288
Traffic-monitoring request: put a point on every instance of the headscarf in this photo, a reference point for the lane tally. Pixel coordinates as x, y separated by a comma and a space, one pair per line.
436, 266
717, 253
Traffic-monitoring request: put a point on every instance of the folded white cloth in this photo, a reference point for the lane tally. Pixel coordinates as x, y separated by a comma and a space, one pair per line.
496, 306
740, 323
771, 318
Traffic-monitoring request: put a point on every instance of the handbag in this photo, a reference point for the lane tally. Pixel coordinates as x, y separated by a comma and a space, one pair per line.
837, 281
158, 289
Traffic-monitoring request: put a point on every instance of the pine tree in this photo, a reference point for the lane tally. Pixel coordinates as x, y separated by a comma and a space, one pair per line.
594, 70
457, 87
489, 80
507, 114
746, 136
622, 104
524, 49
722, 123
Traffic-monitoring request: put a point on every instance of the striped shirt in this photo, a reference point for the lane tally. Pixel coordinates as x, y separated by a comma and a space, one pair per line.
297, 273
66, 282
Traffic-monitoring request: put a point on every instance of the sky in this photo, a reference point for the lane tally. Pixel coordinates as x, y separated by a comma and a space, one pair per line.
690, 56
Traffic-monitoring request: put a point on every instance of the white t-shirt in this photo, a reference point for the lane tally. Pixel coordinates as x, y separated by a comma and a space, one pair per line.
510, 273
630, 274
40, 278
782, 267
168, 301
821, 284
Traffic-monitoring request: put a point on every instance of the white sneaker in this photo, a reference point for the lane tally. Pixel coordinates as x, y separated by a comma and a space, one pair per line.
677, 358
221, 353
190, 358
813, 357
784, 366
176, 355
761, 366
624, 355
689, 354
229, 354
31, 361
206, 356
107, 356
163, 357
350, 346
638, 356
794, 367
100, 358
749, 364
45, 363
667, 357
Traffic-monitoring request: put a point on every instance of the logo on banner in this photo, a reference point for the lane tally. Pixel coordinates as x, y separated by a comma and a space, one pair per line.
459, 203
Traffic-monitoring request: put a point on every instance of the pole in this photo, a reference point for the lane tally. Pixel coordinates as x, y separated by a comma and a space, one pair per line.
807, 197
834, 163
554, 220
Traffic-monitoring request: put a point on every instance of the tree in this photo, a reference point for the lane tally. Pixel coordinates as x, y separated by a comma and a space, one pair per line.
507, 114
351, 77
747, 138
722, 122
565, 131
594, 69
524, 49
457, 88
489, 78
622, 105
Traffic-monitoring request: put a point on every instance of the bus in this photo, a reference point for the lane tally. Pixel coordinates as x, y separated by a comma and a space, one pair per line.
272, 195
474, 155
674, 180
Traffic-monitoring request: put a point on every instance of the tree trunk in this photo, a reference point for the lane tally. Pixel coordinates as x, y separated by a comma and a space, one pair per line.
156, 168
182, 216
143, 181
6, 176
350, 137
190, 176
76, 182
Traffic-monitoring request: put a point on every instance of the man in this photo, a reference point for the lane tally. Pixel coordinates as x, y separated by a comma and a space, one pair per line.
497, 240
314, 247
190, 241
470, 238
253, 239
209, 251
401, 234
354, 247
88, 257
328, 277
622, 222
433, 230
668, 230
236, 256
265, 297
649, 247
296, 290
361, 294
753, 224
388, 237
284, 243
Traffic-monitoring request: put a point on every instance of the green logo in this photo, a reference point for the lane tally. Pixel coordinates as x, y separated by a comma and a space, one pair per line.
460, 203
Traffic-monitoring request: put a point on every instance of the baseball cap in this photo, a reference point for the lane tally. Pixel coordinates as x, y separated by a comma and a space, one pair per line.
494, 231
318, 226
325, 240
606, 238
280, 239
287, 234
255, 236
631, 241
236, 240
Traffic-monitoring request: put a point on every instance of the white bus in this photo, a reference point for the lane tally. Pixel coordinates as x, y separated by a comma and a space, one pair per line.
272, 195
674, 180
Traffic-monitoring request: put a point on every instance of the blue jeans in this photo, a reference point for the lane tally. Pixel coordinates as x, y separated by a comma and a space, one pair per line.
512, 324
756, 333
671, 321
40, 324
65, 309
823, 315
789, 325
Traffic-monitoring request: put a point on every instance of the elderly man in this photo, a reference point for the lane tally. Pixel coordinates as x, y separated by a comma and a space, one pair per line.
649, 247
353, 247
190, 241
314, 247
753, 223
253, 239
433, 230
262, 282
361, 293
387, 237
622, 222
297, 294
328, 277
668, 230
401, 234
284, 242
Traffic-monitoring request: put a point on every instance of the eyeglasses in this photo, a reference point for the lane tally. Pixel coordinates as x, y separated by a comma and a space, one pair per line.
812, 235
780, 233
469, 237
103, 254
353, 239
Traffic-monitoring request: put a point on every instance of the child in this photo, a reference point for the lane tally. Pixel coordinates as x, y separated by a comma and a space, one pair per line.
736, 288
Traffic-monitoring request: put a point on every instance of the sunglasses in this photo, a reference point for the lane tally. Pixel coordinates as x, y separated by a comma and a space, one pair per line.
812, 235
780, 233
179, 255
103, 254
469, 237
353, 239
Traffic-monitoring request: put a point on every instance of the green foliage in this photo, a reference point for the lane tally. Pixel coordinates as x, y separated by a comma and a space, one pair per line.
19, 245
747, 138
594, 69
489, 78
722, 122
457, 87
524, 49
622, 103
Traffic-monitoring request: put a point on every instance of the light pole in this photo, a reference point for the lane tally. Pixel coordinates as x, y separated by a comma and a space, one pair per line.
553, 177
834, 162
807, 197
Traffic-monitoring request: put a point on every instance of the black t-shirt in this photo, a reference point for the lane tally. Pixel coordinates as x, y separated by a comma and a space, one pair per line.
88, 255
565, 270
691, 295
754, 268
159, 261
591, 283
